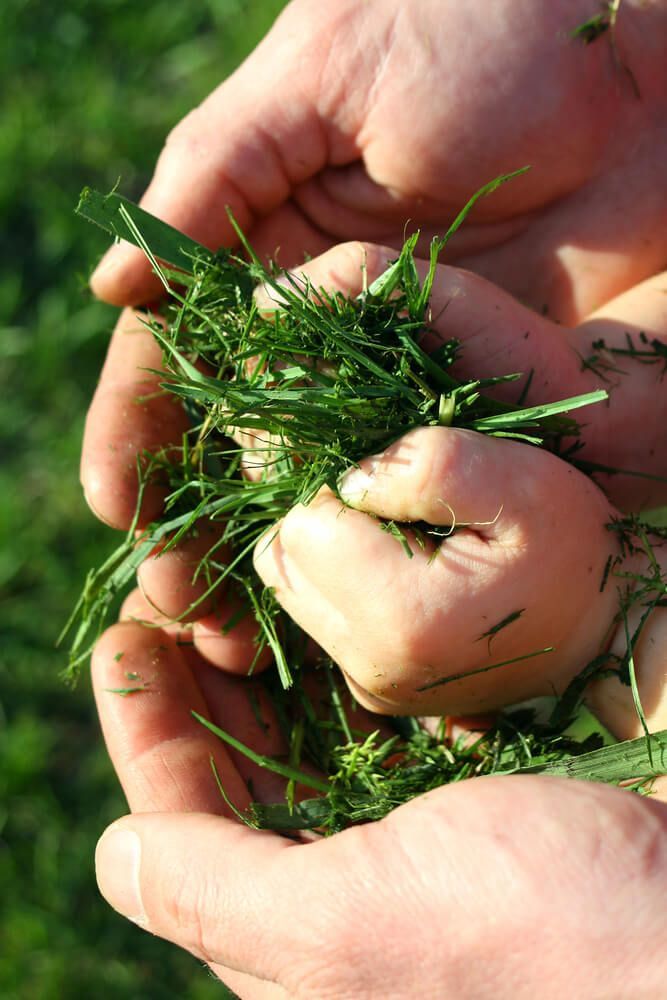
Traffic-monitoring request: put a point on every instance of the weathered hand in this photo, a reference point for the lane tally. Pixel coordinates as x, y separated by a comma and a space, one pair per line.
352, 120
496, 888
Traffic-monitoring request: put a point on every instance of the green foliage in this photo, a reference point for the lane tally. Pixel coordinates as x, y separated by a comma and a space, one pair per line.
90, 89
346, 377
313, 385
369, 774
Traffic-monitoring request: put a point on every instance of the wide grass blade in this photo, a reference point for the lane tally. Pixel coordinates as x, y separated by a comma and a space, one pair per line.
166, 243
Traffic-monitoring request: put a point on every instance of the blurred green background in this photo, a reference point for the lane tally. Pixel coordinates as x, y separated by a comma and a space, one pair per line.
89, 90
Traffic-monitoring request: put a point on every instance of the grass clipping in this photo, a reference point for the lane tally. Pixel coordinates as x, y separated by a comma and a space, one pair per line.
316, 386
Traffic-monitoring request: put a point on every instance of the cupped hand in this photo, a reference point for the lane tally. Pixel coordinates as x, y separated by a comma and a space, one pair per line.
350, 119
497, 887
130, 414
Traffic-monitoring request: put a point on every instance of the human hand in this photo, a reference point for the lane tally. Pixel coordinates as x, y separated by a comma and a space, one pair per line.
519, 569
535, 528
130, 414
497, 887
350, 119
499, 337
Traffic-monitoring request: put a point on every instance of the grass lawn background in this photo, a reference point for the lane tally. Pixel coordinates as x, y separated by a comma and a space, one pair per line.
89, 90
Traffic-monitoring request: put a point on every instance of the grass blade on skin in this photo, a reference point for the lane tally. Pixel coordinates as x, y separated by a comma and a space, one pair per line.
450, 678
438, 244
284, 770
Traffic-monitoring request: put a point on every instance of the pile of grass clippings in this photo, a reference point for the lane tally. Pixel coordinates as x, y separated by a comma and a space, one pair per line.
312, 388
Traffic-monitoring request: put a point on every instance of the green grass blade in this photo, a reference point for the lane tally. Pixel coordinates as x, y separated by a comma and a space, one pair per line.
503, 421
284, 770
485, 190
166, 243
645, 757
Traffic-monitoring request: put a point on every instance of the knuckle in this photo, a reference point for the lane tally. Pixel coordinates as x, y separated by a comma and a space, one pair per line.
186, 140
188, 908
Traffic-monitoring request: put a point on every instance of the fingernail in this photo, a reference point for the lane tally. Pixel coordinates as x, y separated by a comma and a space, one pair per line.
87, 491
356, 482
117, 865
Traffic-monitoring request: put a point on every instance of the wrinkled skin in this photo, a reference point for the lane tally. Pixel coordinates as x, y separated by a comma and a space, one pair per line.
493, 888
398, 113
350, 119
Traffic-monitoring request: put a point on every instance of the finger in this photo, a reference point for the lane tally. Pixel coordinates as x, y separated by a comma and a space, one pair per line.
641, 308
233, 896
628, 431
247, 712
282, 912
129, 415
400, 626
245, 147
243, 709
499, 336
229, 638
345, 268
613, 702
183, 582
455, 477
145, 694
287, 237
225, 859
382, 616
135, 608
575, 254
309, 606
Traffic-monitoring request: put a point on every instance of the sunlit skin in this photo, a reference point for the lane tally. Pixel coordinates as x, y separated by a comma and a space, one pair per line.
503, 888
352, 118
523, 571
129, 415
396, 625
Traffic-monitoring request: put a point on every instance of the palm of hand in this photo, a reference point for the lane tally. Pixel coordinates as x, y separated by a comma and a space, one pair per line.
456, 893
304, 163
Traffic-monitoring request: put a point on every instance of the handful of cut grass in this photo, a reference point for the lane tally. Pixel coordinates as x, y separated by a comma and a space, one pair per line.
315, 386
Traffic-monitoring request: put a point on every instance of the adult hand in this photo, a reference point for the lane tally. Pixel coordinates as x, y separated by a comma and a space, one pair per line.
500, 887
350, 119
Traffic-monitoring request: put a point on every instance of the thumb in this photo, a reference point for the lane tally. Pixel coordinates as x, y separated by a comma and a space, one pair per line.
252, 901
245, 147
210, 885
